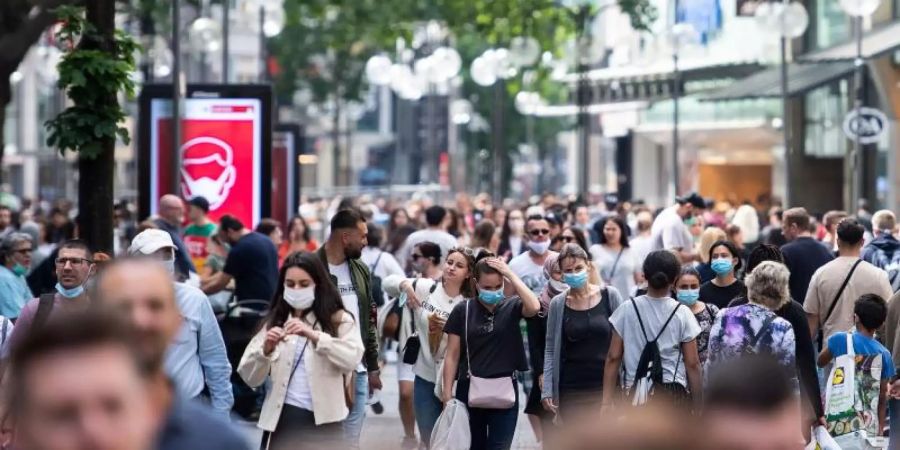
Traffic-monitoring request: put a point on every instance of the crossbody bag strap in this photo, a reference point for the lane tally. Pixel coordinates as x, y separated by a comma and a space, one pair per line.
840, 291
762, 330
468, 359
612, 272
300, 358
377, 260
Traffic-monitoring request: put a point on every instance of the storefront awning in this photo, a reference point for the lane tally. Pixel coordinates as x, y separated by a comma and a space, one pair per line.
801, 79
875, 43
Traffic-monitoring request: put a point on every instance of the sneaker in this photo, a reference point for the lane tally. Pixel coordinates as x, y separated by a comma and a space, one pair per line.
409, 443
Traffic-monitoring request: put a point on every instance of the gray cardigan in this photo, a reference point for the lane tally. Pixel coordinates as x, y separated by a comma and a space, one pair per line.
552, 350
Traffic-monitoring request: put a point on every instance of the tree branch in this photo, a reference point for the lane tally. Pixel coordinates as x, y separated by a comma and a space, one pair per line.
14, 45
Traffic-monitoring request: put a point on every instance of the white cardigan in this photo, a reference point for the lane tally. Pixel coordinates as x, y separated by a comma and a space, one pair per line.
326, 364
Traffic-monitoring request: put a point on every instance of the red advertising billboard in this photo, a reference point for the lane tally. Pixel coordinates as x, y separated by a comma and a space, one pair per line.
225, 140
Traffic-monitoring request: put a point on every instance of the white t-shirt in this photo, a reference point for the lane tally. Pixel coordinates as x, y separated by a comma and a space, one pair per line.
298, 392
642, 246
619, 274
348, 295
654, 313
669, 231
386, 264
439, 303
531, 274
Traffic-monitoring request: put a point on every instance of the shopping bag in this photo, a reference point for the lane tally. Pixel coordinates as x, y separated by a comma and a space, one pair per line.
821, 440
451, 431
851, 399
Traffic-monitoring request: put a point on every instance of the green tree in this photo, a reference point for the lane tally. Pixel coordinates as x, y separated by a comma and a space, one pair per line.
21, 24
93, 72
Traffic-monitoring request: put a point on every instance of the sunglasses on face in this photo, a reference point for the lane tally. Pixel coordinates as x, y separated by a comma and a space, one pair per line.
415, 256
541, 232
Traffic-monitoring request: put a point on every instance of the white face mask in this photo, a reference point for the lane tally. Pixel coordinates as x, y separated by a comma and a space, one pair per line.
558, 285
301, 298
169, 265
213, 190
539, 247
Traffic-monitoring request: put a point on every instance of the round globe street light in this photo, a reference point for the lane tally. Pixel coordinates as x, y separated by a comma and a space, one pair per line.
524, 51
205, 35
378, 70
859, 8
788, 20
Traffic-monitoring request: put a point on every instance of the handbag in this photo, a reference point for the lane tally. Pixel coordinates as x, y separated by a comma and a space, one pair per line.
488, 393
350, 389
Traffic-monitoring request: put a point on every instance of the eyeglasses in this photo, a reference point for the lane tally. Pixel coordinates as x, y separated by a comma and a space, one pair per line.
415, 256
540, 232
61, 262
23, 251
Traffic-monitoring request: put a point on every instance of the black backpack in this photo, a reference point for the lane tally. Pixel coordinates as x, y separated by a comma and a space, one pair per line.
650, 362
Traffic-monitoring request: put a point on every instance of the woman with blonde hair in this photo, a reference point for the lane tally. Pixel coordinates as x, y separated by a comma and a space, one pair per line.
709, 237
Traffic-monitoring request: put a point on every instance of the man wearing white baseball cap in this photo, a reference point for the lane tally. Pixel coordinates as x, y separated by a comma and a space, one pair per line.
196, 359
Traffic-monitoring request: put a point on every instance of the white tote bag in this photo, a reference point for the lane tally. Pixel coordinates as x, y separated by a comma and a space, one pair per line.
851, 400
451, 431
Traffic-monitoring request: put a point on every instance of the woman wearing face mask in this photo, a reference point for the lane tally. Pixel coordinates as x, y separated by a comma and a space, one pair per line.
578, 337
430, 302
484, 342
655, 316
687, 292
308, 345
725, 261
512, 236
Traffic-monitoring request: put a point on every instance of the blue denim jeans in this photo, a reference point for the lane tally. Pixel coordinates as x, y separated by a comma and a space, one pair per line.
428, 408
492, 429
353, 425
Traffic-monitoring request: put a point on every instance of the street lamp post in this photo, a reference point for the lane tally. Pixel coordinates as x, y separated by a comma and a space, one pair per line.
582, 93
858, 9
789, 20
175, 169
226, 32
680, 36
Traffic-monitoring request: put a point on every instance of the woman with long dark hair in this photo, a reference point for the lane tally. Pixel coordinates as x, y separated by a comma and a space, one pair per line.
512, 235
309, 345
613, 255
298, 239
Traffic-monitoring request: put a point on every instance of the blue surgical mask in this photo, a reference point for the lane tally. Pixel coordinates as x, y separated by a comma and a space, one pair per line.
490, 297
19, 270
576, 280
688, 296
70, 293
722, 266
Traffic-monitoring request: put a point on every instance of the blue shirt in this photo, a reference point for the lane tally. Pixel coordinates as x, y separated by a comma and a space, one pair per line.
197, 357
863, 345
190, 426
14, 293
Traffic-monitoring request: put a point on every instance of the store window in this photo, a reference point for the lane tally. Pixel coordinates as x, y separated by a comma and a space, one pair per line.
824, 111
832, 26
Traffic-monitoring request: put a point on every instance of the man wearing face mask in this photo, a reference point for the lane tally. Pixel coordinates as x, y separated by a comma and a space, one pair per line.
196, 359
341, 253
529, 266
671, 229
171, 217
74, 267
252, 263
15, 249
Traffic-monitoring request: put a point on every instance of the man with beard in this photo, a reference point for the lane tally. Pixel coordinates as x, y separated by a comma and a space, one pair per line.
143, 291
252, 263
341, 253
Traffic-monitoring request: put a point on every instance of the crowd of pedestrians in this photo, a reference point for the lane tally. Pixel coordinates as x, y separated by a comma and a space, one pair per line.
714, 316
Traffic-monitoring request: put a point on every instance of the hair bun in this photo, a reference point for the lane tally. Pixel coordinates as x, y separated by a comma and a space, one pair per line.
658, 280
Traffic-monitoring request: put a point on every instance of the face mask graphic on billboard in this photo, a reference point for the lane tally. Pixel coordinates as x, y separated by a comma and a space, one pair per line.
208, 170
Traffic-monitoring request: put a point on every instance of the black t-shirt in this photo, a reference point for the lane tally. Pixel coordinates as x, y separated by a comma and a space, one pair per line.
253, 263
585, 343
722, 296
494, 338
805, 352
803, 256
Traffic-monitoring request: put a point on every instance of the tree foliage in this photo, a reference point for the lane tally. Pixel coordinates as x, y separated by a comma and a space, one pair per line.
90, 77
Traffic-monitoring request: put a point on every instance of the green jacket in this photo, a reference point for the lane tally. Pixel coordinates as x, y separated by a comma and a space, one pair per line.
368, 311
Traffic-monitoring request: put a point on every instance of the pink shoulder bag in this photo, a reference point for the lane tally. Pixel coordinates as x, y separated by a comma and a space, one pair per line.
488, 393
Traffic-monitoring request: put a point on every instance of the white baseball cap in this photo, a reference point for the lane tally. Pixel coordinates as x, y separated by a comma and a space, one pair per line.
150, 241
